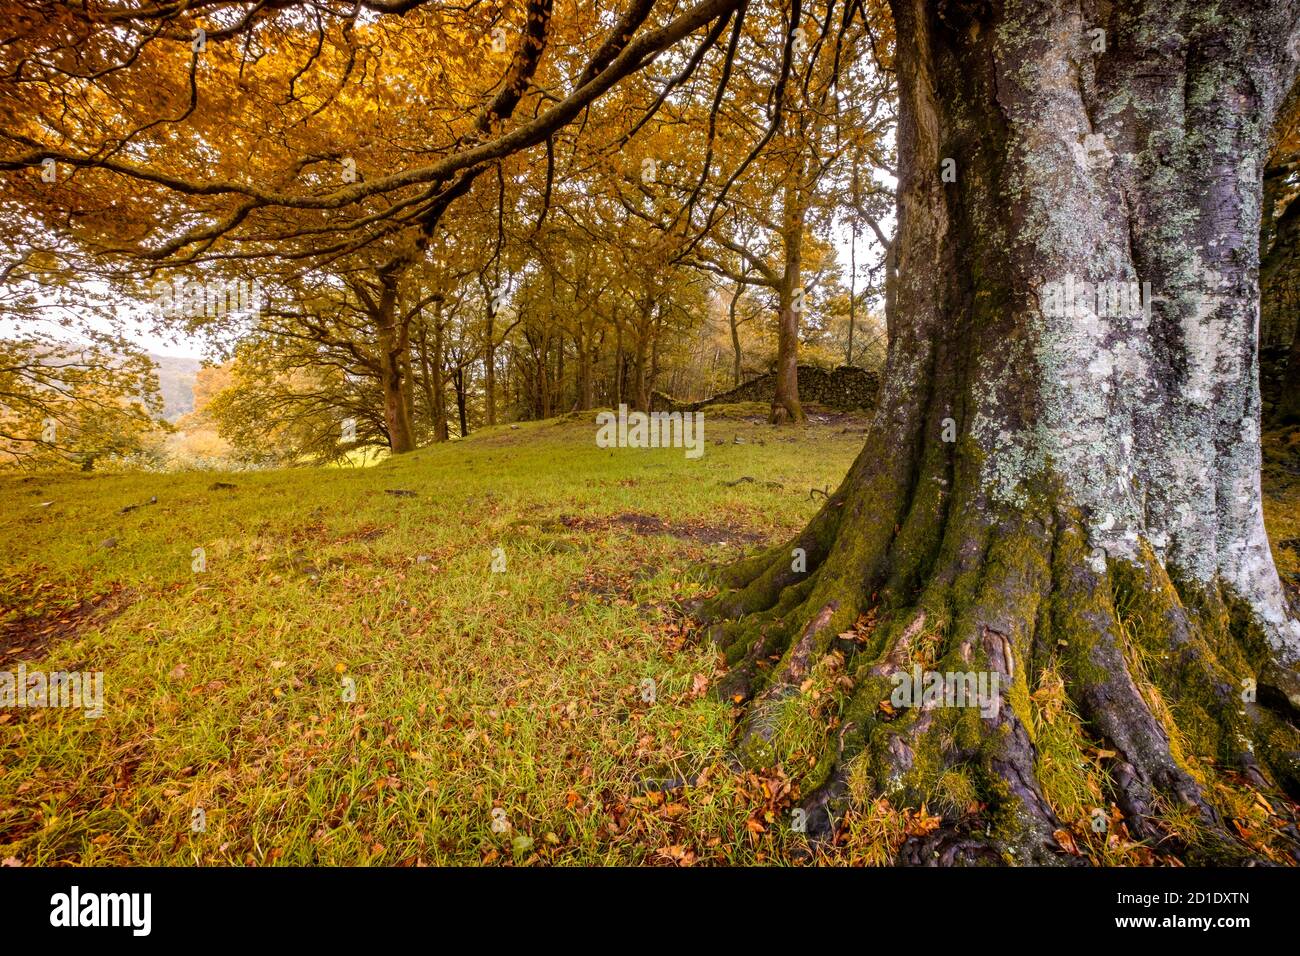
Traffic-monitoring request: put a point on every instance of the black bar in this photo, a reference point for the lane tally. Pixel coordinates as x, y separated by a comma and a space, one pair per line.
620, 906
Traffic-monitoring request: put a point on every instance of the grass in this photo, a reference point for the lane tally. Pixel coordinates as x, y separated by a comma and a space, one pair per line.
555, 712
521, 699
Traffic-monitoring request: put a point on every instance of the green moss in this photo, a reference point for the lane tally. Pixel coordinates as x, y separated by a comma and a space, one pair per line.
917, 544
1018, 697
1077, 619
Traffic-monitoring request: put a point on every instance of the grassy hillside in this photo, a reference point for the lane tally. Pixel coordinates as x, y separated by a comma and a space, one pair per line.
497, 716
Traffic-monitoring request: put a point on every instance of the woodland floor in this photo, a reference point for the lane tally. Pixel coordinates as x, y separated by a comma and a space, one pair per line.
499, 717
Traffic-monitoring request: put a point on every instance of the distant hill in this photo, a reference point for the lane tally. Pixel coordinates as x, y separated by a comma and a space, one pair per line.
176, 382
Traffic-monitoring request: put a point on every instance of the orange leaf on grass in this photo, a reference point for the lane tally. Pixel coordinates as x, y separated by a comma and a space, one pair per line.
921, 823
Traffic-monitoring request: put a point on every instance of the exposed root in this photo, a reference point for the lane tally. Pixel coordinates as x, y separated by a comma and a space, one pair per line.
1155, 676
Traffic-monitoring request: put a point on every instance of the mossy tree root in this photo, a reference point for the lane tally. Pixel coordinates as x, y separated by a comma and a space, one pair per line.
1154, 672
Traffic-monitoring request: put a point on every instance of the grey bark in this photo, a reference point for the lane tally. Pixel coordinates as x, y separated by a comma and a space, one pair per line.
1141, 163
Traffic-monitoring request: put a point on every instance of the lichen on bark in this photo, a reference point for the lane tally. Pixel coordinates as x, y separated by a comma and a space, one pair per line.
1097, 523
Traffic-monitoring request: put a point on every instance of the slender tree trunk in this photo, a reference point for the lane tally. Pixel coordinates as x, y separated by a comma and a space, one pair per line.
536, 388
408, 382
891, 291
490, 370
458, 380
592, 359
558, 404
438, 384
426, 371
544, 376
785, 400
586, 398
620, 364
640, 378
652, 374
853, 291
1049, 497
735, 332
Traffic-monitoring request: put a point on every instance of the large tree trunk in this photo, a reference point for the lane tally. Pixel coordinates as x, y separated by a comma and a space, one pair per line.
1042, 496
